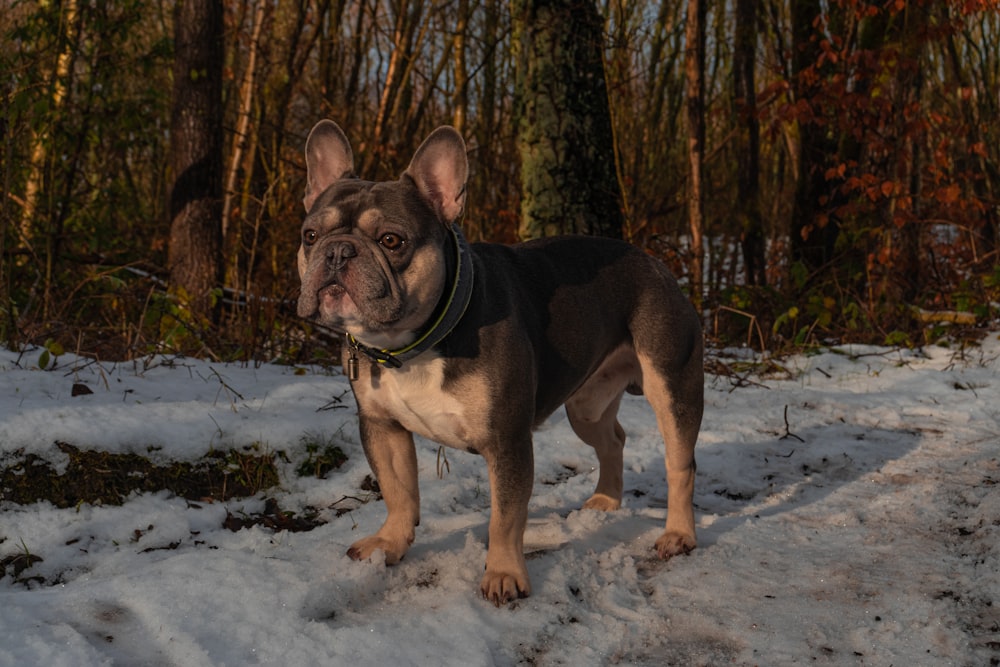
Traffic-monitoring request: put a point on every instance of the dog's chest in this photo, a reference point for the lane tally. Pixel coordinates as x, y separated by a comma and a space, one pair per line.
415, 397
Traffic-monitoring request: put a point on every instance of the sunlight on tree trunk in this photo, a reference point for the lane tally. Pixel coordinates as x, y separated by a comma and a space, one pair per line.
401, 63
39, 153
242, 117
569, 183
460, 104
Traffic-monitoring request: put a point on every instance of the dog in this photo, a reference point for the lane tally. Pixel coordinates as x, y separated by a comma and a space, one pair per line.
473, 346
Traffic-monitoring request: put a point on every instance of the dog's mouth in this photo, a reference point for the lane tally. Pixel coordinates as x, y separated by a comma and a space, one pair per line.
331, 296
326, 299
331, 289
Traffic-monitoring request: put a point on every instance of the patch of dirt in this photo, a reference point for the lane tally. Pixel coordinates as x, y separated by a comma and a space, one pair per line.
274, 518
103, 478
15, 564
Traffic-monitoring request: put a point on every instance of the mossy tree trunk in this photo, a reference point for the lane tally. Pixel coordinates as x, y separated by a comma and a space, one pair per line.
569, 180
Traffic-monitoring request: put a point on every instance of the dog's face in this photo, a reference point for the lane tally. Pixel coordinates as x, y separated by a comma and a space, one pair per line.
373, 255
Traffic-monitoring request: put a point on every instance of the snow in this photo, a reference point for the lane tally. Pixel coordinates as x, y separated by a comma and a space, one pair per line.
864, 530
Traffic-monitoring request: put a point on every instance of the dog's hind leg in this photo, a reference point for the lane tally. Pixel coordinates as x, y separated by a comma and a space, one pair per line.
593, 414
677, 399
607, 437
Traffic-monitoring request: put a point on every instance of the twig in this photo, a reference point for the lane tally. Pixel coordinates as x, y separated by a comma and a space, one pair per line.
224, 386
442, 462
754, 324
334, 403
788, 432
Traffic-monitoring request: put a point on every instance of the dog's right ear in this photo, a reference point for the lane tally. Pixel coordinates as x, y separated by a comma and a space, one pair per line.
328, 159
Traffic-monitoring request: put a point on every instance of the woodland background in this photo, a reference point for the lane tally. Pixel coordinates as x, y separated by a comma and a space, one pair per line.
811, 169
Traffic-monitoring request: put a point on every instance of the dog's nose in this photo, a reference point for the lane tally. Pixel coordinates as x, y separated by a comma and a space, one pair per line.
337, 254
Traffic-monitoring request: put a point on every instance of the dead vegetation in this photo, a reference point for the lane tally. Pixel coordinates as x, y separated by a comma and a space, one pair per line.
105, 478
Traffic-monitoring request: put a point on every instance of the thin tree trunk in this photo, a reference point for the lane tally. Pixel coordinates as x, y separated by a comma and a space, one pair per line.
39, 152
812, 234
908, 168
695, 102
243, 114
400, 65
460, 104
748, 149
195, 251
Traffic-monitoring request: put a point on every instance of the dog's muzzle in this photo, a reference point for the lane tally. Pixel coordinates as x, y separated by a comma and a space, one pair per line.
324, 270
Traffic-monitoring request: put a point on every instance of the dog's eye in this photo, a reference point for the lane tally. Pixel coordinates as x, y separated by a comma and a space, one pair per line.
309, 237
391, 241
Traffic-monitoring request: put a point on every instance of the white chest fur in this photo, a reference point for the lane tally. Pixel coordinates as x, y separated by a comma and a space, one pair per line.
414, 395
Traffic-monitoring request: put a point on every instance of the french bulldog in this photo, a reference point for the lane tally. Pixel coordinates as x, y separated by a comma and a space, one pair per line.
473, 346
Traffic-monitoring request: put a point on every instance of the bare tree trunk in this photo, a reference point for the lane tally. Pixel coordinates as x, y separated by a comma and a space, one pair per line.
748, 147
195, 252
695, 100
812, 234
400, 63
460, 104
986, 184
569, 182
242, 117
39, 151
489, 129
907, 168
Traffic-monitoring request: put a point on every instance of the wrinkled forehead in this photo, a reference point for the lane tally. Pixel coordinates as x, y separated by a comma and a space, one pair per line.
344, 194
351, 202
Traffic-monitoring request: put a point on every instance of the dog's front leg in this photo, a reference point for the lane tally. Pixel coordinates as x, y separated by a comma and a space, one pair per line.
511, 478
393, 458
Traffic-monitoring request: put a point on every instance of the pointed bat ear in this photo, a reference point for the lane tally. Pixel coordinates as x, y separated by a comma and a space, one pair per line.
328, 159
440, 169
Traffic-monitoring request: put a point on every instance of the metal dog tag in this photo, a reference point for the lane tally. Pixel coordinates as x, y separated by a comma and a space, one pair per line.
352, 366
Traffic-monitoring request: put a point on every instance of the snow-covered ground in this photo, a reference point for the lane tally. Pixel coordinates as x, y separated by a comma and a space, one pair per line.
866, 530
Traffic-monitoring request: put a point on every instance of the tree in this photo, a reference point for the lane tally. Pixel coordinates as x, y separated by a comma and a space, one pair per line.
60, 83
695, 100
813, 233
569, 180
195, 253
748, 139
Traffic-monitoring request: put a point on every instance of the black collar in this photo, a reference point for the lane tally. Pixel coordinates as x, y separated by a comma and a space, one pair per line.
455, 304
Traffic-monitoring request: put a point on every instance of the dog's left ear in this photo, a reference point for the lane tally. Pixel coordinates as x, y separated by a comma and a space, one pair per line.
440, 169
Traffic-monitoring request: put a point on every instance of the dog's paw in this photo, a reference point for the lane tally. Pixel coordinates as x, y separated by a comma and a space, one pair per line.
364, 548
503, 587
602, 503
672, 543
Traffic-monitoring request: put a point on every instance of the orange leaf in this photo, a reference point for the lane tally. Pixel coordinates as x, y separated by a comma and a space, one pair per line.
888, 187
950, 194
884, 255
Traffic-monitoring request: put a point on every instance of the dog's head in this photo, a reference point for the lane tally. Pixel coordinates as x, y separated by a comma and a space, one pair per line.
373, 260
